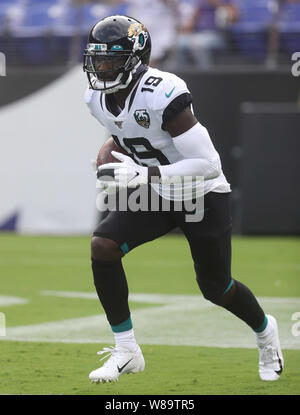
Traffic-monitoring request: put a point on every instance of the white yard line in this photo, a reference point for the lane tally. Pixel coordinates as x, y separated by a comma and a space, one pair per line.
8, 300
173, 320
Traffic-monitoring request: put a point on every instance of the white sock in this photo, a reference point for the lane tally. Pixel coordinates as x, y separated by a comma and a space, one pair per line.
126, 339
264, 337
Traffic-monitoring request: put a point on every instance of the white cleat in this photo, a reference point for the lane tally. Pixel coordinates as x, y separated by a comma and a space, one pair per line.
270, 356
121, 361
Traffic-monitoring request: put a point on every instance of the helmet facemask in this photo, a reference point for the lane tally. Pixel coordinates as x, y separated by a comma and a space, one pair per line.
109, 71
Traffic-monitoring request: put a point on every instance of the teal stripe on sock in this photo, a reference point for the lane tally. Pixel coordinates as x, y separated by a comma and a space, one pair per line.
229, 286
126, 325
124, 247
262, 327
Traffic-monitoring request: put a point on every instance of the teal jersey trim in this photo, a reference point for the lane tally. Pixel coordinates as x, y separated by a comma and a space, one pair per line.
124, 247
262, 327
126, 325
229, 286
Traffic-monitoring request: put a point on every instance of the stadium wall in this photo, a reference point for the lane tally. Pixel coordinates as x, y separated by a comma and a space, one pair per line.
47, 140
269, 171
218, 98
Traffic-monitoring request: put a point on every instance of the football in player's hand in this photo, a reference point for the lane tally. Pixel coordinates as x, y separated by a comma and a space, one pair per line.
105, 156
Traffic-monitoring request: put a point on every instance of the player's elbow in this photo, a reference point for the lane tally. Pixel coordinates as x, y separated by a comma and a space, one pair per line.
215, 169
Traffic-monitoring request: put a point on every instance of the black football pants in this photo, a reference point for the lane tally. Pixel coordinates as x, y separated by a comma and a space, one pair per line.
210, 246
209, 239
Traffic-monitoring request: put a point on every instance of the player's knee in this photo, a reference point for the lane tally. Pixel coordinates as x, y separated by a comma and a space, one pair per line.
210, 291
205, 283
104, 249
212, 286
216, 292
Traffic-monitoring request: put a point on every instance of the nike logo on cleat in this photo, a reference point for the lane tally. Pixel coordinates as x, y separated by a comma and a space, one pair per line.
280, 365
121, 368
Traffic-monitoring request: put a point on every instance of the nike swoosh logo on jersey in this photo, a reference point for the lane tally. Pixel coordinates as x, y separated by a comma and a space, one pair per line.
170, 93
121, 368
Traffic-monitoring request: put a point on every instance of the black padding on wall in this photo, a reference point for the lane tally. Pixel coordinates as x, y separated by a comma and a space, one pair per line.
270, 169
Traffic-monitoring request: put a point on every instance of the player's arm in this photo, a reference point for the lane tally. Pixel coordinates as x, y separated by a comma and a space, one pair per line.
191, 139
193, 142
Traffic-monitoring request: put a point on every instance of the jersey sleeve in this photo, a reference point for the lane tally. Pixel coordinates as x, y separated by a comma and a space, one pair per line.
90, 98
170, 97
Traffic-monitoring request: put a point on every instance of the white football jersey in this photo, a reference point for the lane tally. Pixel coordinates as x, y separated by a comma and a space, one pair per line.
139, 126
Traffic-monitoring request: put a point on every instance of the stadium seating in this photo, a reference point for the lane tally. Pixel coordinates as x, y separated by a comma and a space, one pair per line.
250, 33
34, 34
10, 11
45, 31
289, 27
48, 31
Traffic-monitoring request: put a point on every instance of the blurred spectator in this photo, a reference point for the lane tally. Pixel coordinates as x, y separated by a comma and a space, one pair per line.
289, 1
161, 19
203, 30
183, 32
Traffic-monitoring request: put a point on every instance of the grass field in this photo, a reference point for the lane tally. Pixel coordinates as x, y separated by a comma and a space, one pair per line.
55, 325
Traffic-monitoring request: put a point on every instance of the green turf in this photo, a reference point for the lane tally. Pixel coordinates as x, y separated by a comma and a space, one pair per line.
29, 265
43, 368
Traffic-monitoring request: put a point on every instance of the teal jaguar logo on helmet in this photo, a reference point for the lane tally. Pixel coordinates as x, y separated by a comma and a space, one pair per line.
138, 33
141, 39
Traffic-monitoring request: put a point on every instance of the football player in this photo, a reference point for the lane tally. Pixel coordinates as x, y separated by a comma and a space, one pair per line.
149, 114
